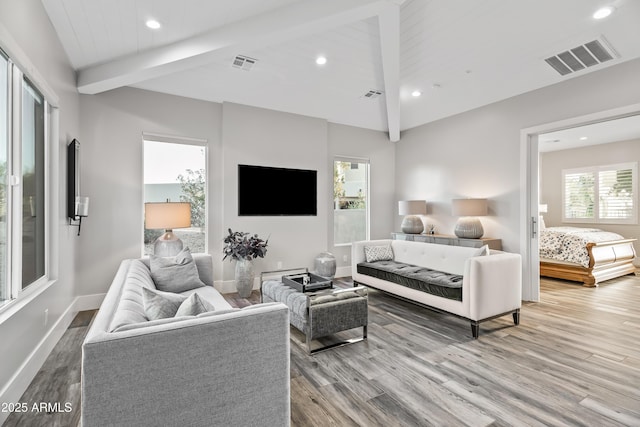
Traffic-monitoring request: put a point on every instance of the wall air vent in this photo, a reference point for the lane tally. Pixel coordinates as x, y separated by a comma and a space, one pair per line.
587, 55
372, 94
243, 62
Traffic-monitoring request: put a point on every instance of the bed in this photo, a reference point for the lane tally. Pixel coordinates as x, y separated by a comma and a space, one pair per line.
587, 255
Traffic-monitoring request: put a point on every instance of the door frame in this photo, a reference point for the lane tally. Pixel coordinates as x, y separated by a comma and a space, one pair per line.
529, 184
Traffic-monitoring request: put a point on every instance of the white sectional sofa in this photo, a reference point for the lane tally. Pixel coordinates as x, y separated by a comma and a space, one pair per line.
467, 282
223, 368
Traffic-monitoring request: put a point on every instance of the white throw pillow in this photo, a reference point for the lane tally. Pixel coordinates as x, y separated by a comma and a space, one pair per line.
482, 251
193, 306
378, 253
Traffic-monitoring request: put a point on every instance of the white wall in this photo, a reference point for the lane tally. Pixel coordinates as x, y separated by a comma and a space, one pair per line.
112, 124
24, 340
476, 154
256, 136
551, 166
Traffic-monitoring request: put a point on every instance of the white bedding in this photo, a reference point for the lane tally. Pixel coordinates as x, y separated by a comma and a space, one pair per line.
570, 243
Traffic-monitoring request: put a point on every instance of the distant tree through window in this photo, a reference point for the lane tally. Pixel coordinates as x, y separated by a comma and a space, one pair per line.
350, 200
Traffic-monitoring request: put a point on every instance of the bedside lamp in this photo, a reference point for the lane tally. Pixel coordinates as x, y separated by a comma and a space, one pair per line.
167, 216
469, 226
412, 224
542, 209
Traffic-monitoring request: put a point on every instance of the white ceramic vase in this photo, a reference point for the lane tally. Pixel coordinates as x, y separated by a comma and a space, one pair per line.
244, 277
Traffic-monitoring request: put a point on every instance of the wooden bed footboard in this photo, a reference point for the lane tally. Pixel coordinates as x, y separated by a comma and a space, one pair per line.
607, 260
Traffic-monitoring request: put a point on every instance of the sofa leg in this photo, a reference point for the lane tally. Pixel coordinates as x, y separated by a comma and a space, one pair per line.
475, 329
516, 317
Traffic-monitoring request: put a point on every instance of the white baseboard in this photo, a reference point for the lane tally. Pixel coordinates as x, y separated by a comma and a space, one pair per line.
344, 271
229, 286
88, 302
26, 373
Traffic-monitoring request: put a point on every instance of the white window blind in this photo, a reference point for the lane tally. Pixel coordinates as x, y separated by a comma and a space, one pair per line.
601, 194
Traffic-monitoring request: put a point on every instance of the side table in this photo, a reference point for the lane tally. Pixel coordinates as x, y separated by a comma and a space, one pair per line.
445, 239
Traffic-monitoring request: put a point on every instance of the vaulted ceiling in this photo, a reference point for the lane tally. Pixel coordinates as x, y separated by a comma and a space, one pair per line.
459, 54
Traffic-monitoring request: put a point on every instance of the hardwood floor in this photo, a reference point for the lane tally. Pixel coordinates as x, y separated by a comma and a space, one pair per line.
574, 360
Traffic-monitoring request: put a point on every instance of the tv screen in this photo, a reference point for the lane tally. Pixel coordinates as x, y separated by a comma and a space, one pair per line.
268, 191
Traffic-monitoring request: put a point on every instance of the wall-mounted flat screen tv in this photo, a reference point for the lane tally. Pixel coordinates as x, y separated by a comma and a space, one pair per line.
269, 191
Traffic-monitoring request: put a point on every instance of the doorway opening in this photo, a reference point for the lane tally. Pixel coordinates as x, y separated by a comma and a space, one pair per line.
531, 140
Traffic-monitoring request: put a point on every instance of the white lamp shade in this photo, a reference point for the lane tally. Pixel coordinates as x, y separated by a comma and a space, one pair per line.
412, 207
469, 207
543, 208
167, 215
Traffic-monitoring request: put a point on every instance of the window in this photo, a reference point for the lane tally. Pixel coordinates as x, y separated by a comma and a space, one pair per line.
24, 232
5, 293
33, 185
351, 200
601, 194
175, 171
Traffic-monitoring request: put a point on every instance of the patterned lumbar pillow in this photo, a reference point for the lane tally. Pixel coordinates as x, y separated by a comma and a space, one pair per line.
160, 305
177, 274
378, 253
193, 306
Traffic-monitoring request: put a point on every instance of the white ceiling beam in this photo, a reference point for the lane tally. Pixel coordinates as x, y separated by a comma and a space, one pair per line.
389, 23
297, 20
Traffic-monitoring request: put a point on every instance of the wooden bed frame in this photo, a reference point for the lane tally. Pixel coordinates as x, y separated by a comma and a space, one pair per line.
607, 260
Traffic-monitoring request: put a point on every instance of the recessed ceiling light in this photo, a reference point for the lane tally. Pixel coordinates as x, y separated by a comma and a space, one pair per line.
603, 12
416, 93
583, 138
153, 24
321, 60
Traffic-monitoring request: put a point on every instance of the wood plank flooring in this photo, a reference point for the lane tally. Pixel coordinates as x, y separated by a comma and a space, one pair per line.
573, 361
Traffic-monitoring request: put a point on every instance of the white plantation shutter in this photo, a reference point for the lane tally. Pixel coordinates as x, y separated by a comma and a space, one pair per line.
616, 194
604, 194
579, 190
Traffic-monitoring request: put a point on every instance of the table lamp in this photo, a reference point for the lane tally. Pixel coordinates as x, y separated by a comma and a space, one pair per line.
469, 226
167, 216
412, 223
542, 208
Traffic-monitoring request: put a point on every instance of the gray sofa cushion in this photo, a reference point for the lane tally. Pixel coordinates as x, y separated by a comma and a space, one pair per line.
159, 305
420, 278
177, 274
130, 306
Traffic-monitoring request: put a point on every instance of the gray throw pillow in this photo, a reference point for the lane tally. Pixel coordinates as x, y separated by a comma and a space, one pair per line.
176, 274
160, 305
193, 306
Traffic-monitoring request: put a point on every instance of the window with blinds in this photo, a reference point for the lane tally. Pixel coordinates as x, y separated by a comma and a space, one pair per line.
601, 194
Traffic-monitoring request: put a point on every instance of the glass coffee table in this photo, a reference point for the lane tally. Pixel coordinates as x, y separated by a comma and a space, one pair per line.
318, 313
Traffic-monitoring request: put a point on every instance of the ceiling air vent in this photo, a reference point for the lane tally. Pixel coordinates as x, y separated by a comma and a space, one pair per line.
243, 62
373, 94
581, 57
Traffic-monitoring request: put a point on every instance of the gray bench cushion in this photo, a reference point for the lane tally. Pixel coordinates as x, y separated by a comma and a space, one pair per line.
420, 278
275, 291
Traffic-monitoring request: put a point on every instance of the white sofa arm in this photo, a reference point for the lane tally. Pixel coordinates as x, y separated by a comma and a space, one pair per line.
495, 285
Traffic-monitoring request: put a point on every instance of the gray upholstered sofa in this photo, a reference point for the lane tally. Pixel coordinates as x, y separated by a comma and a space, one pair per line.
467, 282
223, 368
